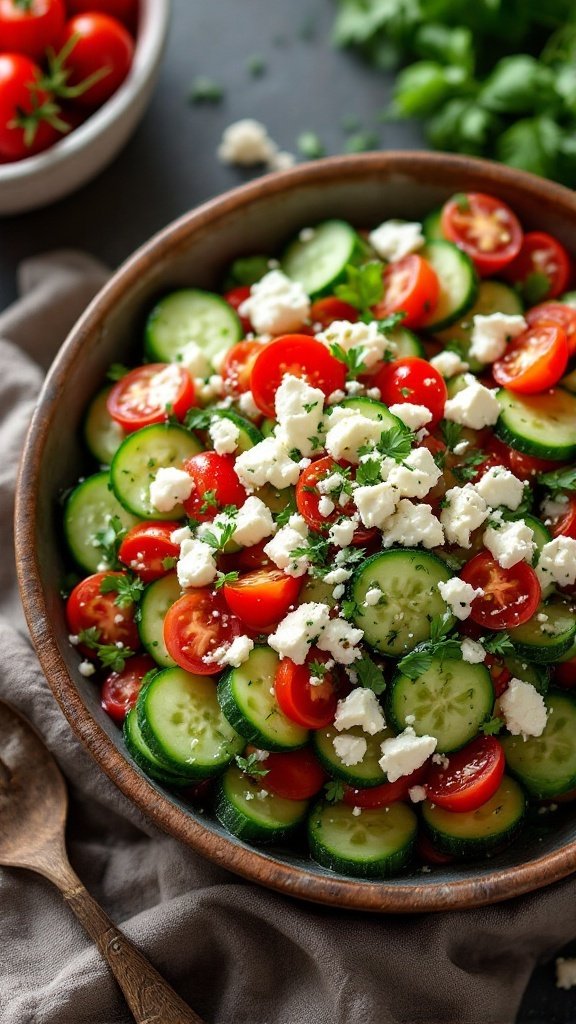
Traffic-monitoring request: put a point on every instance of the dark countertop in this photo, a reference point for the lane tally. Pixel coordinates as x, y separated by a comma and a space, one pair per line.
170, 165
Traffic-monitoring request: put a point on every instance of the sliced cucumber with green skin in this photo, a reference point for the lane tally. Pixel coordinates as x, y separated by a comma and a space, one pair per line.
541, 537
190, 315
158, 597
143, 756
432, 229
320, 262
569, 382
406, 342
364, 774
547, 640
408, 579
492, 297
247, 270
181, 721
546, 764
246, 808
373, 844
278, 499
268, 427
449, 701
247, 698
537, 675
315, 589
569, 299
248, 434
88, 512
458, 283
103, 436
138, 460
371, 409
542, 425
470, 834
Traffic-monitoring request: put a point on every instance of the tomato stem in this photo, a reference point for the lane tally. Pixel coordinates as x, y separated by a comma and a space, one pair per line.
56, 78
29, 120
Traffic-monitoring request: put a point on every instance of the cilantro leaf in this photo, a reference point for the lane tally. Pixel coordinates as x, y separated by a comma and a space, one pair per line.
497, 643
369, 472
396, 442
198, 419
492, 726
251, 765
364, 286
369, 675
559, 479
468, 467
334, 790
218, 541
225, 577
110, 655
440, 645
109, 541
129, 589
353, 359
451, 433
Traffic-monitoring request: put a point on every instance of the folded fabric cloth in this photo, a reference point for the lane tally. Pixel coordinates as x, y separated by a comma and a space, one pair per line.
237, 953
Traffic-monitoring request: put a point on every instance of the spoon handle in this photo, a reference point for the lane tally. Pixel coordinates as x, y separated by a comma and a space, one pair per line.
149, 996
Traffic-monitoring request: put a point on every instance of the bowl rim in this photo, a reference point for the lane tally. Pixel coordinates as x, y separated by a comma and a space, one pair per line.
251, 863
149, 45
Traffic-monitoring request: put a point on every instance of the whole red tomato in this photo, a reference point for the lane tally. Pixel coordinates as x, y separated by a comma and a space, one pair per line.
98, 49
29, 119
125, 10
31, 27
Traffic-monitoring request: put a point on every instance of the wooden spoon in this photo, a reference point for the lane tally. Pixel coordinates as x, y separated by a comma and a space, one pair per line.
33, 806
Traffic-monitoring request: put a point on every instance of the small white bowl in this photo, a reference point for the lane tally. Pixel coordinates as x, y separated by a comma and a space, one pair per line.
79, 156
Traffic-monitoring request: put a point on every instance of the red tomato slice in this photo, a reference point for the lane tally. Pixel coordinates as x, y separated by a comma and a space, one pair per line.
428, 852
145, 549
410, 287
511, 596
250, 558
31, 27
311, 706
484, 227
195, 626
100, 46
499, 674
564, 525
294, 775
300, 356
262, 597
541, 259
565, 674
534, 361
149, 393
120, 689
471, 778
235, 297
326, 311
237, 366
387, 793
555, 313
525, 467
415, 381
87, 606
215, 485
308, 499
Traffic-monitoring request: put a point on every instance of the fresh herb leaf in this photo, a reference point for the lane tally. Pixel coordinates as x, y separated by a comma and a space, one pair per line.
396, 442
468, 466
369, 675
559, 479
198, 419
210, 501
252, 765
169, 562
334, 790
317, 668
205, 90
218, 541
492, 726
451, 433
369, 472
110, 655
350, 609
440, 645
497, 643
225, 577
109, 540
310, 145
317, 552
129, 590
353, 359
116, 371
364, 285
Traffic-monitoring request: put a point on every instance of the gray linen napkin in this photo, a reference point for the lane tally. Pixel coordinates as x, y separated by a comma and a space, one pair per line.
235, 952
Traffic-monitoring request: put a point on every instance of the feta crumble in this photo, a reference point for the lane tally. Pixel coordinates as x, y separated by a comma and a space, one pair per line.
412, 416
524, 709
86, 669
276, 304
267, 462
491, 334
498, 486
557, 562
472, 651
340, 639
169, 488
448, 363
367, 338
224, 435
510, 543
395, 239
252, 522
299, 411
411, 525
298, 630
288, 539
475, 406
350, 749
465, 510
361, 708
196, 566
403, 754
459, 596
247, 143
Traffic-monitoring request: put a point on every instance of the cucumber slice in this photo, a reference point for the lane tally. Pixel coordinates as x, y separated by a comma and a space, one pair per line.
247, 699
542, 425
407, 343
246, 808
364, 774
408, 579
315, 589
569, 382
373, 844
158, 597
103, 436
190, 315
546, 764
537, 675
321, 261
546, 641
139, 458
200, 421
88, 512
458, 283
143, 756
268, 427
542, 536
492, 297
449, 701
278, 499
431, 224
372, 410
569, 299
247, 270
469, 834
183, 725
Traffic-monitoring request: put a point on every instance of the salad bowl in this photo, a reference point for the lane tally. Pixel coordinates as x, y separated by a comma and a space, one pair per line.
196, 250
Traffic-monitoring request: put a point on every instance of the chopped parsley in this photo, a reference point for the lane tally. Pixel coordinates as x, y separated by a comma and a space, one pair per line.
251, 765
109, 541
334, 790
128, 589
364, 285
109, 655
370, 675
492, 726
440, 644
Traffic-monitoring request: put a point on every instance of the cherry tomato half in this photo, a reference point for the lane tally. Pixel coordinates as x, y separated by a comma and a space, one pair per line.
428, 852
312, 706
542, 265
195, 626
147, 394
235, 297
262, 597
534, 361
565, 674
308, 498
25, 118
237, 366
145, 548
415, 381
471, 778
387, 793
215, 485
411, 287
483, 227
564, 524
31, 27
294, 775
525, 467
325, 311
555, 313
300, 356
102, 51
88, 607
511, 596
120, 689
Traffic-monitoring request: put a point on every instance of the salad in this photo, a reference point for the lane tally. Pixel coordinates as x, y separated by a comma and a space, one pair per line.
328, 559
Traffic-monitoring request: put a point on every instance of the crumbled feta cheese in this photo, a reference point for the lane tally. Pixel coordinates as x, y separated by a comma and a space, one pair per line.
565, 972
326, 506
524, 709
248, 406
395, 239
510, 543
170, 487
73, 639
449, 364
416, 475
557, 562
298, 630
403, 754
86, 669
299, 410
338, 575
246, 143
340, 638
350, 749
207, 390
361, 708
193, 359
472, 651
276, 304
459, 596
290, 537
441, 760
365, 337
267, 462
252, 522
417, 794
237, 652
375, 503
335, 396
356, 811
196, 566
373, 595
553, 508
181, 534
461, 447
412, 416
465, 510
347, 433
475, 406
498, 486
224, 435
411, 525
342, 533
490, 335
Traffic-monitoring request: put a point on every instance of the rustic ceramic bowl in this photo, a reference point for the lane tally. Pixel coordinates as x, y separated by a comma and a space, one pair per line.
79, 156
196, 249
